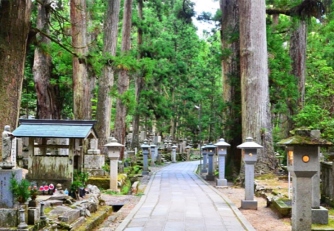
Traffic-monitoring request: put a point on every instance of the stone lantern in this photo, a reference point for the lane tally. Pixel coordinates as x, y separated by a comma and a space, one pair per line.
303, 162
145, 147
211, 149
174, 153
113, 153
222, 151
249, 154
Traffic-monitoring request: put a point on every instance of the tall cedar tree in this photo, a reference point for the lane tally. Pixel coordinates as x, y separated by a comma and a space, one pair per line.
123, 78
14, 31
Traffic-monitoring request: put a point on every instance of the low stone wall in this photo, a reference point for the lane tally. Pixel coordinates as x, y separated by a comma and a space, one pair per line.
327, 182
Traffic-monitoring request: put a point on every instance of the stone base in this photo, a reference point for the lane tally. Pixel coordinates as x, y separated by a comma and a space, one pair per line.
221, 182
145, 172
320, 216
96, 172
210, 177
6, 165
8, 217
249, 204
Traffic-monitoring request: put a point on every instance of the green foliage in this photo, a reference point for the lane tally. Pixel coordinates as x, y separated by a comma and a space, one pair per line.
20, 189
79, 180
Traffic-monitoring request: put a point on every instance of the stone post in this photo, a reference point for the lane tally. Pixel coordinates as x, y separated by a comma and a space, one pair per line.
174, 153
22, 225
153, 155
221, 146
211, 149
249, 153
188, 152
204, 154
113, 153
145, 147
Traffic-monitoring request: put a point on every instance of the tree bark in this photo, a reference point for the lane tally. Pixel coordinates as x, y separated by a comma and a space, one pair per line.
298, 57
47, 105
123, 78
106, 81
82, 90
14, 30
256, 118
139, 82
231, 82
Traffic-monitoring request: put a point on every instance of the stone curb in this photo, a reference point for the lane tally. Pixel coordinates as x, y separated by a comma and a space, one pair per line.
234, 208
129, 217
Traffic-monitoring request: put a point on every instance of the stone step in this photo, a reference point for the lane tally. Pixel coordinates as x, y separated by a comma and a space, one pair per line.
65, 214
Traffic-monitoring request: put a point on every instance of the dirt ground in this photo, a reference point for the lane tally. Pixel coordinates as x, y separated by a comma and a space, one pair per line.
262, 219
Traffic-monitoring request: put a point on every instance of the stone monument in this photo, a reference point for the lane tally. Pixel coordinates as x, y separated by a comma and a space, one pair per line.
7, 137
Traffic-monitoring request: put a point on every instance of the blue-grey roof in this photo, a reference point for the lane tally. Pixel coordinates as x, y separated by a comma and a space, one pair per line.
55, 128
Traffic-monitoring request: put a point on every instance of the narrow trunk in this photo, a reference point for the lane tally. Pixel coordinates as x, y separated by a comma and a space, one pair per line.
139, 82
123, 78
231, 84
106, 81
47, 105
256, 119
81, 83
298, 57
14, 30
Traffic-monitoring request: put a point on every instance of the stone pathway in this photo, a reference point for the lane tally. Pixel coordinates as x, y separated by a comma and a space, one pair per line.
177, 199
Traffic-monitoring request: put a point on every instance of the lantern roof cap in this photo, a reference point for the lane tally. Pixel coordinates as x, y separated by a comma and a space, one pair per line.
174, 146
222, 143
304, 136
249, 143
112, 142
210, 145
145, 145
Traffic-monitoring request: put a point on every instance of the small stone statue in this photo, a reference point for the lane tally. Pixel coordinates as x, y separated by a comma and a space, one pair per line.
6, 144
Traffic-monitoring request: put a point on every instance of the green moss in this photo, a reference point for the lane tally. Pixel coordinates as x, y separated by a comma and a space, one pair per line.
268, 176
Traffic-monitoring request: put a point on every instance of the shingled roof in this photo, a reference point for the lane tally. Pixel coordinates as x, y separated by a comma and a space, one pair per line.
79, 129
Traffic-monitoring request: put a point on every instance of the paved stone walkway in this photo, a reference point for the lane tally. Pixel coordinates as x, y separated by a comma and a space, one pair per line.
176, 199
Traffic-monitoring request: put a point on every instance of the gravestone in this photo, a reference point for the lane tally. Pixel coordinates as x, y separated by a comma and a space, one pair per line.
93, 160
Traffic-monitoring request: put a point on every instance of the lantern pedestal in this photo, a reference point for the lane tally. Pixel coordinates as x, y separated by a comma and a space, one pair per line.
205, 163
145, 164
249, 202
210, 175
114, 174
